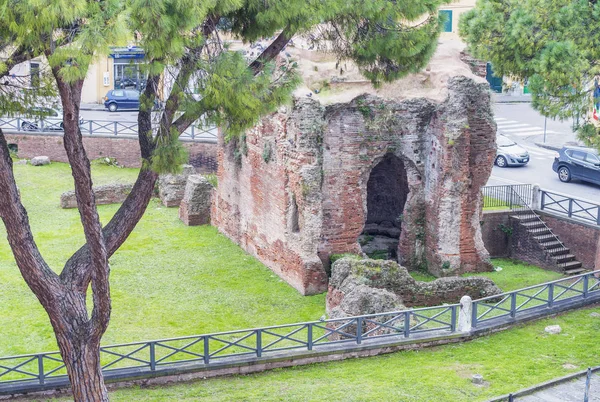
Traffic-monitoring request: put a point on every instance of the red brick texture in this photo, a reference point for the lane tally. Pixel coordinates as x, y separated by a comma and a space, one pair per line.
125, 150
294, 191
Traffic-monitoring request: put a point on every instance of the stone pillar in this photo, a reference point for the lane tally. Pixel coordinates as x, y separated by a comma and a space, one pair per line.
196, 203
172, 186
465, 314
536, 198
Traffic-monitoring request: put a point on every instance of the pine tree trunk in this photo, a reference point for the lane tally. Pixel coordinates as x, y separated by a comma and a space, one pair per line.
82, 360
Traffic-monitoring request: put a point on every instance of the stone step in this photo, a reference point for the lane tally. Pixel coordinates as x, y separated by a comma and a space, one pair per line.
542, 237
558, 251
562, 258
552, 244
567, 266
529, 217
574, 271
533, 225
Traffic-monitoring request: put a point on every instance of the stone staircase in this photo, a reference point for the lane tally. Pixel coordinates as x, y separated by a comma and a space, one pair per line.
554, 249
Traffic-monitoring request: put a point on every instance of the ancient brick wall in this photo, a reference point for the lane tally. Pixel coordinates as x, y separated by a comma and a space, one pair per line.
294, 190
581, 238
125, 150
497, 241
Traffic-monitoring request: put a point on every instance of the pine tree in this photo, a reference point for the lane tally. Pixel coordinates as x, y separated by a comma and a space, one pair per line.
182, 41
553, 44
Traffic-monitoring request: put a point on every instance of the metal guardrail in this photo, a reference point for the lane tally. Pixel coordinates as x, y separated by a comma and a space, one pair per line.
151, 357
509, 196
121, 129
571, 207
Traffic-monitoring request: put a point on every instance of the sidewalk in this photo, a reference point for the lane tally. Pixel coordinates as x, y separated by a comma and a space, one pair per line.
92, 106
509, 98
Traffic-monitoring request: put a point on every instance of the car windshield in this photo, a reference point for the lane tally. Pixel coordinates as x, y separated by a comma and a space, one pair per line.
505, 142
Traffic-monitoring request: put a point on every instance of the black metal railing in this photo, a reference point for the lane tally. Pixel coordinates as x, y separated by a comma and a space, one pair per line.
571, 207
121, 129
507, 197
237, 346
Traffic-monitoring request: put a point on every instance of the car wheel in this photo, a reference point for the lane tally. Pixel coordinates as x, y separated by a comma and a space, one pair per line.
112, 107
564, 174
26, 126
501, 161
62, 126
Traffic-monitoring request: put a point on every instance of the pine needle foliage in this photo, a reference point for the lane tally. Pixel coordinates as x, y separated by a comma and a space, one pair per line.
553, 44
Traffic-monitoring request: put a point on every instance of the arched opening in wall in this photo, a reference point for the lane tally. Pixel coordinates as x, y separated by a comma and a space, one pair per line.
387, 191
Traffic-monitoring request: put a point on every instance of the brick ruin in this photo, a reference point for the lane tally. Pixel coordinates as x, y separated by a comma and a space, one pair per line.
400, 178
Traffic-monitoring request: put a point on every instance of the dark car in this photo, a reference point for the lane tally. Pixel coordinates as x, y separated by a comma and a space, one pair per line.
577, 163
122, 99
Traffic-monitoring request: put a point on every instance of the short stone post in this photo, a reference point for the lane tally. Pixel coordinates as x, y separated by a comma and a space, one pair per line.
465, 314
196, 203
536, 197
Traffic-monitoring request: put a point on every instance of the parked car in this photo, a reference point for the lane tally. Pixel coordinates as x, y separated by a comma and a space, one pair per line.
577, 163
122, 99
43, 118
509, 153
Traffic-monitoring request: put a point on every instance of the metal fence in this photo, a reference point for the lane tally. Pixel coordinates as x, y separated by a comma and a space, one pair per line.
101, 128
509, 197
571, 207
153, 357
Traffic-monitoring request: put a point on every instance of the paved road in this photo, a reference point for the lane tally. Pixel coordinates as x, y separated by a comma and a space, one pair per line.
572, 391
525, 126
108, 116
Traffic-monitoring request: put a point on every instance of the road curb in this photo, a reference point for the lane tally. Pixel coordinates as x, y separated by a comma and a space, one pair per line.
548, 146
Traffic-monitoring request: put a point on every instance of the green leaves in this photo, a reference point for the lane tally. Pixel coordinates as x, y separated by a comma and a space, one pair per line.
553, 43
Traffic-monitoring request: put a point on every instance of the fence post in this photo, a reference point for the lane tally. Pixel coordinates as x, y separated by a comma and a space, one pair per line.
513, 304
570, 207
598, 216
310, 337
510, 202
543, 202
115, 126
91, 127
206, 350
474, 315
406, 324
588, 377
258, 343
193, 132
536, 203
40, 359
550, 295
453, 318
152, 356
465, 316
586, 286
18, 124
359, 324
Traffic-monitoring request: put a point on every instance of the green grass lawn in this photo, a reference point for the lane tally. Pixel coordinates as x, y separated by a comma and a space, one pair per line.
509, 361
167, 280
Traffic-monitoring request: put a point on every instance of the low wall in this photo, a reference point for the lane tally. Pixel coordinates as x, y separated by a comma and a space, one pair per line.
126, 151
582, 238
497, 241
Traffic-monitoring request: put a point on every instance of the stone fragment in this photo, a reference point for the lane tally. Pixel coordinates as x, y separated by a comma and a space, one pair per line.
595, 314
40, 161
553, 329
477, 379
196, 203
347, 274
569, 366
172, 186
106, 194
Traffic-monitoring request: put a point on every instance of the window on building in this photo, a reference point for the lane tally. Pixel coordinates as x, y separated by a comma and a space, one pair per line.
446, 16
34, 72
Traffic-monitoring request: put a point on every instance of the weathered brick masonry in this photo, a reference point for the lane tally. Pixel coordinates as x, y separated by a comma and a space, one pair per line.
581, 238
125, 150
294, 190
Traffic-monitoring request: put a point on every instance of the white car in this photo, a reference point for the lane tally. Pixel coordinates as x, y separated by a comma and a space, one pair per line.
509, 153
41, 118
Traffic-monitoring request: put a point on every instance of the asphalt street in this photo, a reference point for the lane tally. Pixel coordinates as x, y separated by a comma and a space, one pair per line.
525, 126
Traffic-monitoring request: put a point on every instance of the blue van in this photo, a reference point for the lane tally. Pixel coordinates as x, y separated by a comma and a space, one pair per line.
122, 99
